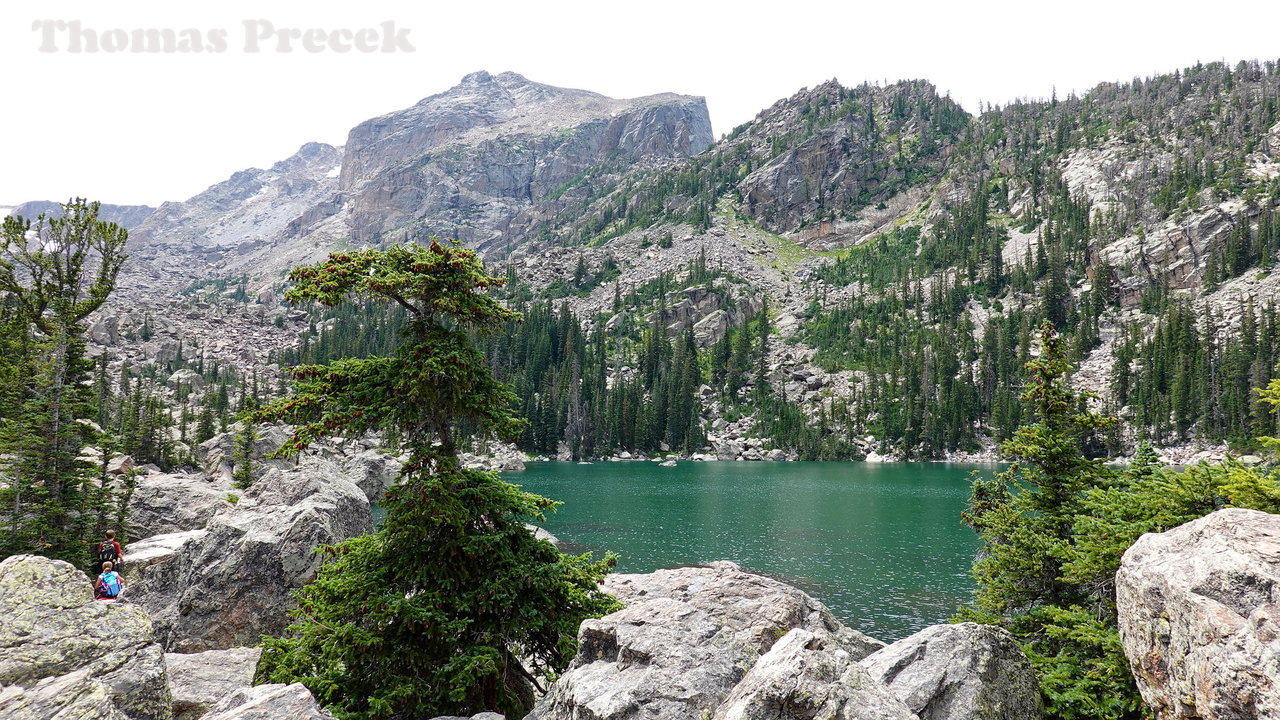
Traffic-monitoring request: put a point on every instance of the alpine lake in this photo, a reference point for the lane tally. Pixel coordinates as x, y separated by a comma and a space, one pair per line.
881, 544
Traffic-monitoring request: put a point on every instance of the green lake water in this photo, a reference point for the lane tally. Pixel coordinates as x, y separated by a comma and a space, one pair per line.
880, 544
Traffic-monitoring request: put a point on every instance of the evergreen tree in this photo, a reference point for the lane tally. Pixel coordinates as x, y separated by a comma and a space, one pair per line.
764, 329
739, 362
1026, 518
103, 397
246, 437
205, 425
54, 272
438, 612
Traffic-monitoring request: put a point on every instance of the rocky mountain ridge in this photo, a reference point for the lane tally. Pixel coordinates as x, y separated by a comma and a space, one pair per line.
234, 217
127, 216
485, 162
492, 155
1126, 178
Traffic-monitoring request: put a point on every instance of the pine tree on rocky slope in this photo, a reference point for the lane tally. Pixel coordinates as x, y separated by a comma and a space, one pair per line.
439, 611
54, 272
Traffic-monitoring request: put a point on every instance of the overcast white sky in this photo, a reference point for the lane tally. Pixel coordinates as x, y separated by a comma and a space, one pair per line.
131, 127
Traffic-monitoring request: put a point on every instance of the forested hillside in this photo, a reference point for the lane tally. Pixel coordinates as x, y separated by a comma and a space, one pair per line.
859, 269
1138, 218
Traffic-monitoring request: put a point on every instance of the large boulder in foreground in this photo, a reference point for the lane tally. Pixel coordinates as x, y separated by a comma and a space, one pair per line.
803, 678
683, 642
269, 702
959, 672
199, 681
65, 655
232, 581
1199, 616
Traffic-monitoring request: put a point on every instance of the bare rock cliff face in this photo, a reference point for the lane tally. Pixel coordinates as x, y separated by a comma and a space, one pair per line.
1199, 615
479, 161
486, 162
251, 209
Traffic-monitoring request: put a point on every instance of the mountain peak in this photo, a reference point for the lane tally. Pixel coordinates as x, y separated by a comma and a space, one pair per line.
486, 83
476, 78
483, 106
512, 78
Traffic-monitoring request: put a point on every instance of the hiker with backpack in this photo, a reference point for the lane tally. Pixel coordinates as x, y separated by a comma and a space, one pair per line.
109, 551
109, 584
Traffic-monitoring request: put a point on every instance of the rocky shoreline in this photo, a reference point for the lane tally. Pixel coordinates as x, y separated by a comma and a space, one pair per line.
753, 450
218, 565
715, 642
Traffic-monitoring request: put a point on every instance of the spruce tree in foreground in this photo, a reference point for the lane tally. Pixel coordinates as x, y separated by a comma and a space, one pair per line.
54, 272
1027, 519
1055, 525
439, 611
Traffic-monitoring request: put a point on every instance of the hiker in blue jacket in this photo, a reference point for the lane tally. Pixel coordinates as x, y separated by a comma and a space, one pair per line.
109, 585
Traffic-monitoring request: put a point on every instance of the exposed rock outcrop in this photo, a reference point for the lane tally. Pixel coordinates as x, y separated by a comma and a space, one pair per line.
959, 672
803, 678
269, 702
220, 455
358, 460
839, 165
229, 583
74, 695
497, 457
199, 681
486, 159
172, 503
706, 311
64, 654
543, 534
156, 551
1199, 616
683, 642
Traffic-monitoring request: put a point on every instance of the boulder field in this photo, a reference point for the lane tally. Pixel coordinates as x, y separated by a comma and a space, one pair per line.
703, 642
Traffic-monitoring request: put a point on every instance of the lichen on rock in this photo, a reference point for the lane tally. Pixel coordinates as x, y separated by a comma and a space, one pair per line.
63, 652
